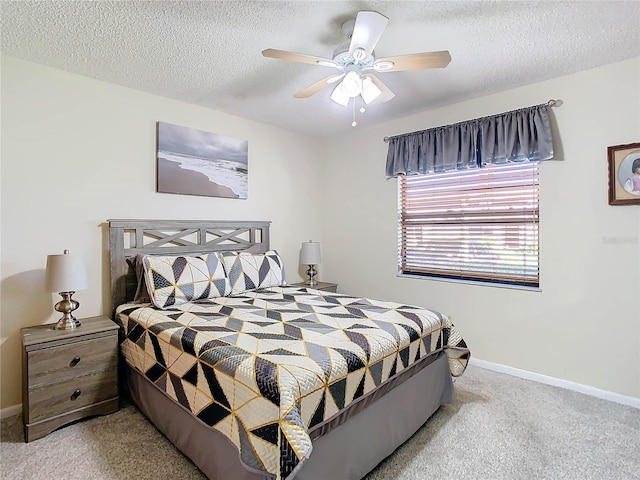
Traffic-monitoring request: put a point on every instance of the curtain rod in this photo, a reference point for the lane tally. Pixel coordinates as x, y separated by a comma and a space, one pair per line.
550, 103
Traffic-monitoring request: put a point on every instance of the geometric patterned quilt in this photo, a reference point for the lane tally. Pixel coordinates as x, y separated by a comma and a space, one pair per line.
267, 366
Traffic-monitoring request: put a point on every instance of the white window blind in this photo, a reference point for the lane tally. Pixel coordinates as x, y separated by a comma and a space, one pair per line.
479, 225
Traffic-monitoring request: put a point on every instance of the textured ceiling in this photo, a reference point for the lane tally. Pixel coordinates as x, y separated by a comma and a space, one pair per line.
209, 52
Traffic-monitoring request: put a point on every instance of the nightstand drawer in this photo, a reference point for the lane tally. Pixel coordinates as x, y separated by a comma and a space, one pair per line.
50, 365
62, 397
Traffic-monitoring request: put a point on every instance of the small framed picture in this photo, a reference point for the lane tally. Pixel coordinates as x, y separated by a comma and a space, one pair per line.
624, 174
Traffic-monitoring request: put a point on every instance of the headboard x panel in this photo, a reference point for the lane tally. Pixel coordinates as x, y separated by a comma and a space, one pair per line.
128, 238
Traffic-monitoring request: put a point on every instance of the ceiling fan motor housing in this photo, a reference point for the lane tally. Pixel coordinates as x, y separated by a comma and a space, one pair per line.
342, 57
341, 54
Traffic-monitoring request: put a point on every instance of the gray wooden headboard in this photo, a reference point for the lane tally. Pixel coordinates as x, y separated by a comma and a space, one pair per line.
128, 238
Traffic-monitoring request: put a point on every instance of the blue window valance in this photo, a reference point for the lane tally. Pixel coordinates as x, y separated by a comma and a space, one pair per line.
514, 136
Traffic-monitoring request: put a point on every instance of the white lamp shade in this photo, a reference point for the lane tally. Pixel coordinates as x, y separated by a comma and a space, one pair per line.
310, 253
370, 90
66, 273
339, 96
352, 84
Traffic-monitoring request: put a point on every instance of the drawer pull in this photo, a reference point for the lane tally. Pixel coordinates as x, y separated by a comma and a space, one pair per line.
75, 361
75, 394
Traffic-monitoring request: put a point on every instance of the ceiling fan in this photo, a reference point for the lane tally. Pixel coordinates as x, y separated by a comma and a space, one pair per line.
356, 62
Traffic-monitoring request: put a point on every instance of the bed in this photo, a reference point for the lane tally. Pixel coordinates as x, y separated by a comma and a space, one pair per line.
253, 379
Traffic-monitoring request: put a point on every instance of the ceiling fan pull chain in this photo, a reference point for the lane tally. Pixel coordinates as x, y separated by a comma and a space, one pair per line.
354, 123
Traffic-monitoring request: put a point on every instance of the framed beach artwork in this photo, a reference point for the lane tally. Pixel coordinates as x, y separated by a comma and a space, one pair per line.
193, 162
624, 174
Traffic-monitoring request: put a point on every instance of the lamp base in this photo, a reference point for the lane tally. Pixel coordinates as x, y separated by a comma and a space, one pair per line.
311, 272
67, 324
66, 306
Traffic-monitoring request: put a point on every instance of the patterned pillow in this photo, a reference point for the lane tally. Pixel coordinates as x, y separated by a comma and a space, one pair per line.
174, 280
248, 271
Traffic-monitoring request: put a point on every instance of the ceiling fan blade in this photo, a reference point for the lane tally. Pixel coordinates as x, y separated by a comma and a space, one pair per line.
299, 57
413, 61
316, 87
386, 94
367, 31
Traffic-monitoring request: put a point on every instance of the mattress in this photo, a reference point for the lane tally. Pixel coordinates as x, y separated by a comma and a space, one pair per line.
273, 369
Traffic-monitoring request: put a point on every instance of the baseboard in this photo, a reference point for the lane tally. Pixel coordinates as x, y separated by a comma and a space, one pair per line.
10, 411
558, 382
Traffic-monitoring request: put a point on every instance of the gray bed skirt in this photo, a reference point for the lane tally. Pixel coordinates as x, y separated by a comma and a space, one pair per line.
348, 451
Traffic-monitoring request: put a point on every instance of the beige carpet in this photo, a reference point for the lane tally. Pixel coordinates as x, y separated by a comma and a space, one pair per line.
500, 427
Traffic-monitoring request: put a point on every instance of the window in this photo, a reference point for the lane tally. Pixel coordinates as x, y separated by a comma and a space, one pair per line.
478, 225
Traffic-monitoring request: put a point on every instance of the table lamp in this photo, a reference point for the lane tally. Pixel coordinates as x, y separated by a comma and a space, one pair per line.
310, 255
66, 274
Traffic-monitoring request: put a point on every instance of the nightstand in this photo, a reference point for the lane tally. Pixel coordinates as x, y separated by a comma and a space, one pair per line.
324, 286
68, 375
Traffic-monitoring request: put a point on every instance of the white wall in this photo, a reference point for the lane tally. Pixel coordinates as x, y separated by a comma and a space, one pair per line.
584, 326
77, 152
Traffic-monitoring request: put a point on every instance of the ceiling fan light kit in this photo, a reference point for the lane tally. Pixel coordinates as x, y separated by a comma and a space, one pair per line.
339, 96
356, 58
352, 84
369, 90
